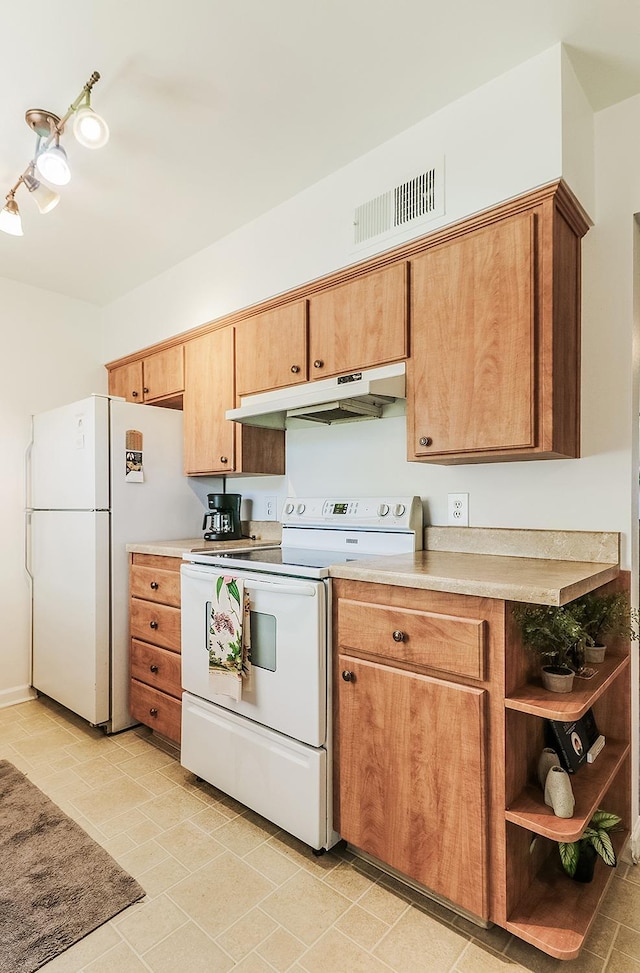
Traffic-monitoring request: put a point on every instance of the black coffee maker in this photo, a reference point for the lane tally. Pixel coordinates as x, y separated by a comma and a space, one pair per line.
222, 523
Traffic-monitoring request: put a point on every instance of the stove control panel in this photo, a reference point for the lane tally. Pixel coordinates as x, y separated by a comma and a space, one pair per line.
362, 513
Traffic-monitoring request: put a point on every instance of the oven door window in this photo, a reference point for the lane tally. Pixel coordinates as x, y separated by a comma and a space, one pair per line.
263, 641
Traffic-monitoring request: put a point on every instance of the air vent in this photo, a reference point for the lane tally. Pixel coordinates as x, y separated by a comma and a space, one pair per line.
408, 204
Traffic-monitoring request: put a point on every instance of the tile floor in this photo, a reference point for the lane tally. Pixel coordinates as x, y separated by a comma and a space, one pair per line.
226, 890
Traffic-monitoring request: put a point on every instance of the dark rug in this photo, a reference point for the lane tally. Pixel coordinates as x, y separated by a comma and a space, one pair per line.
56, 883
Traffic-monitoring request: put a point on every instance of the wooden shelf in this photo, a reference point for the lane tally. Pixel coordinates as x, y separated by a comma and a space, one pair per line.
590, 784
533, 698
556, 913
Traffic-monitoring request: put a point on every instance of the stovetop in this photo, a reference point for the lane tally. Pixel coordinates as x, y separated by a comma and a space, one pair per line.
319, 532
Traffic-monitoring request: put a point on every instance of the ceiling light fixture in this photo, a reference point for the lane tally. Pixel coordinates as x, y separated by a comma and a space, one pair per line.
50, 161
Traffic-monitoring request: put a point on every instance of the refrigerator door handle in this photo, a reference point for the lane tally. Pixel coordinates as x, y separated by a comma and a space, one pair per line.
27, 506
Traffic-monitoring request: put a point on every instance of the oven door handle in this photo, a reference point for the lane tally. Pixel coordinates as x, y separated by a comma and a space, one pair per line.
277, 587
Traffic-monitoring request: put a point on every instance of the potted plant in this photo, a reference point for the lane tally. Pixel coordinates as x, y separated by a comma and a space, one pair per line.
554, 635
579, 857
602, 617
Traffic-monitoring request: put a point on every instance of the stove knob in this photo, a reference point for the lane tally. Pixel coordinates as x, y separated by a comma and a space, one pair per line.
383, 510
399, 509
289, 508
301, 508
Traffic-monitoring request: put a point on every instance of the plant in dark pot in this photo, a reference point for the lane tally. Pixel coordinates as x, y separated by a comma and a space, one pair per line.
555, 637
603, 617
579, 857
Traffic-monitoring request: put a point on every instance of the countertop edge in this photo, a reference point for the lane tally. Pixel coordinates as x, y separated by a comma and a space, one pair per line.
534, 592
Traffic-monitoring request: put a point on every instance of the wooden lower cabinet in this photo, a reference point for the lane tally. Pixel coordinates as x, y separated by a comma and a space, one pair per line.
412, 776
155, 661
439, 722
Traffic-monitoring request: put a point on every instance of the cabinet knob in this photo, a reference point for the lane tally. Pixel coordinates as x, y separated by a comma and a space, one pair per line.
399, 636
348, 676
318, 363
425, 440
223, 459
153, 711
145, 390
153, 668
295, 369
134, 394
153, 624
154, 585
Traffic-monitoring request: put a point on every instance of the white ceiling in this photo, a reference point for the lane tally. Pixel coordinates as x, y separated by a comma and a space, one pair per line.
220, 111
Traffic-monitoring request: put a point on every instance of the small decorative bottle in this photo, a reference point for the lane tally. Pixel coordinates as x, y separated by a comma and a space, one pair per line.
548, 759
558, 792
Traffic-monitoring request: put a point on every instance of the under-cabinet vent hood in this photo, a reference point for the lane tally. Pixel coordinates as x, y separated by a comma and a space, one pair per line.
359, 395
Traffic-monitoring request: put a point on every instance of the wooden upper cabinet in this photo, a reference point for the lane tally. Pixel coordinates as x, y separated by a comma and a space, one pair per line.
209, 438
359, 324
271, 349
164, 373
212, 443
494, 372
126, 382
158, 378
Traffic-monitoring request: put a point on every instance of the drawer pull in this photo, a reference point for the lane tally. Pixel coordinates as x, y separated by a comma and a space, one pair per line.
348, 676
153, 711
154, 585
153, 624
153, 668
399, 636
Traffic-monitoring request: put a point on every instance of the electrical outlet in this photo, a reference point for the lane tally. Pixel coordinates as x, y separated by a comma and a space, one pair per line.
271, 508
458, 509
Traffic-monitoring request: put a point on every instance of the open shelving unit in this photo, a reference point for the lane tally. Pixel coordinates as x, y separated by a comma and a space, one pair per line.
543, 906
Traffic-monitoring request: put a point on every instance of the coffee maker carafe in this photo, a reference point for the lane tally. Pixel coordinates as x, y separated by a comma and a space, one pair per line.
222, 523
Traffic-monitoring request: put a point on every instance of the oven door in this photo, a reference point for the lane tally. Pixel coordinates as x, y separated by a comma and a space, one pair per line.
288, 650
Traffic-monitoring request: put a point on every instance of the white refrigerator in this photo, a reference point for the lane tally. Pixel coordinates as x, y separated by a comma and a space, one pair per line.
102, 473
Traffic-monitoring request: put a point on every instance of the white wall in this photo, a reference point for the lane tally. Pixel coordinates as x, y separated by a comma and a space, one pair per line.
50, 353
498, 141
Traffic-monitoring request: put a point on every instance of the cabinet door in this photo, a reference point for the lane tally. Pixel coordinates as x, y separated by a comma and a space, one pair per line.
412, 788
359, 324
126, 381
209, 438
271, 349
471, 376
164, 373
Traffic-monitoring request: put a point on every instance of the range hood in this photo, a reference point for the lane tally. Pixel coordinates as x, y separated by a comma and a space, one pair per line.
359, 395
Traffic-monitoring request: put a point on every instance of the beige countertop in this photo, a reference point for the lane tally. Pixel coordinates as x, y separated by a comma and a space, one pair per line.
542, 581
261, 534
541, 567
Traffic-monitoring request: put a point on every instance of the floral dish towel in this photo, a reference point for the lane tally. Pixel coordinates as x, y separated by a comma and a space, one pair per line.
229, 638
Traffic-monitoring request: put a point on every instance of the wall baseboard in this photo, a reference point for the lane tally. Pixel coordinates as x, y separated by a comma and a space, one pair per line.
17, 694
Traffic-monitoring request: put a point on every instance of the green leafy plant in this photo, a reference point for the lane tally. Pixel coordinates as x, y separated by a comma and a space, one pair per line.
598, 835
552, 633
602, 616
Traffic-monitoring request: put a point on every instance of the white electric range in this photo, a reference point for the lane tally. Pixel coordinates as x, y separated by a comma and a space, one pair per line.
271, 749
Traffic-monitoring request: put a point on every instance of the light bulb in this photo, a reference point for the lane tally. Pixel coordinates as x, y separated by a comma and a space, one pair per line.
10, 221
52, 165
45, 198
90, 129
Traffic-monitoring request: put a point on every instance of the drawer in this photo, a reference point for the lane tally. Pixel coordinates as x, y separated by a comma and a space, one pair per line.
159, 624
425, 639
157, 667
155, 584
155, 709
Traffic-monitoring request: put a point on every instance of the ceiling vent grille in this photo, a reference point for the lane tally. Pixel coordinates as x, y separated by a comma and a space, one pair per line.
410, 203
